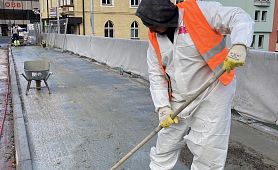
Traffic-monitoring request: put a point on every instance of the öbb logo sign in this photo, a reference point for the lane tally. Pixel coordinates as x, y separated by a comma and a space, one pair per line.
13, 4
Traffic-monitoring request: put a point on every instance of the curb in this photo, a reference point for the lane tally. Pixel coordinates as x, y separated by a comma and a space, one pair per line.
22, 150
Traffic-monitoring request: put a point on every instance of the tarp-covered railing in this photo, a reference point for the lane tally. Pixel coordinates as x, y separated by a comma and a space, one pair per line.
257, 82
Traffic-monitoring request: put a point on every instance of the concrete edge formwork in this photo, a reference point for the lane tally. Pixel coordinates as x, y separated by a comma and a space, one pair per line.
22, 149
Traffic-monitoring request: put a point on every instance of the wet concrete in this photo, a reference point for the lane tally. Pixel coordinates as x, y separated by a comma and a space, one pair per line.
93, 117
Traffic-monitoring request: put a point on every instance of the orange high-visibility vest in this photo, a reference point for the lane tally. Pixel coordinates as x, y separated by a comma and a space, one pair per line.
210, 44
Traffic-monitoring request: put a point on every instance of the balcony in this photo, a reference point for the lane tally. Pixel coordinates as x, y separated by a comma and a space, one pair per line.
67, 10
262, 3
66, 5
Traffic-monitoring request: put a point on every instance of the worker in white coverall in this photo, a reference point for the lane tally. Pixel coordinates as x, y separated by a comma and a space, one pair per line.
209, 116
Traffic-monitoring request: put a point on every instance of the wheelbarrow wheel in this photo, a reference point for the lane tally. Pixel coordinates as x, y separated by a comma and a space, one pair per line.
38, 84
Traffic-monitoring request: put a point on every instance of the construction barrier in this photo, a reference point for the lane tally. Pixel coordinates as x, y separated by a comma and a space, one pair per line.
257, 82
257, 87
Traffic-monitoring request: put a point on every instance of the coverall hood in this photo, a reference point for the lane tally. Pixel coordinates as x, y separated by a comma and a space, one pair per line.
158, 13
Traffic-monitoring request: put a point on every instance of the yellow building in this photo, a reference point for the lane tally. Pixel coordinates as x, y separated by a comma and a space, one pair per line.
116, 18
72, 10
108, 18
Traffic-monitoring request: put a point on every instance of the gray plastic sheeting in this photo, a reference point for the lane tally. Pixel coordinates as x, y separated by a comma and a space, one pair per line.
257, 92
130, 55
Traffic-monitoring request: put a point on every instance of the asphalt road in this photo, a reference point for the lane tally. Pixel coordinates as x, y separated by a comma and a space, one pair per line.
4, 41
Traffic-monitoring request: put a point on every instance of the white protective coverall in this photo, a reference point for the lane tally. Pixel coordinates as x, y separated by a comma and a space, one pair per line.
210, 122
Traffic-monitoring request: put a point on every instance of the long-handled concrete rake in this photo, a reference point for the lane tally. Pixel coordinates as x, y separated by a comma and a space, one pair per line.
157, 129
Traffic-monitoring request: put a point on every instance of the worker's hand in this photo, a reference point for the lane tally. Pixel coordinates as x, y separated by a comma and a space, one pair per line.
236, 57
165, 119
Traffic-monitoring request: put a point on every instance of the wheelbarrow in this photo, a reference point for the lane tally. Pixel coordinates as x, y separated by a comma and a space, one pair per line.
37, 70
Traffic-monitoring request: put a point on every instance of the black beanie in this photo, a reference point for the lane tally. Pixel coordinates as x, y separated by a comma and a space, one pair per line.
158, 13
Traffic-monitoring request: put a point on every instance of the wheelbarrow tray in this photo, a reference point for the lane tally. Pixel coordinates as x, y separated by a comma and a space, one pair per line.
37, 70
36, 75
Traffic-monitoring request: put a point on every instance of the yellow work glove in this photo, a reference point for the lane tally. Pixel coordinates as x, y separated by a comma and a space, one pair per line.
236, 57
165, 119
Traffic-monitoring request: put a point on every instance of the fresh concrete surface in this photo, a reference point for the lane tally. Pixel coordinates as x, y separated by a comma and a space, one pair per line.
256, 141
93, 117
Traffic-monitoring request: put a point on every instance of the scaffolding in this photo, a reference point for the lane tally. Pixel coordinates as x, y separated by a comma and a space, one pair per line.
53, 27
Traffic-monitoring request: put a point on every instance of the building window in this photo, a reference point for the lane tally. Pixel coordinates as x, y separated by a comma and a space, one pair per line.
261, 41
253, 41
264, 15
106, 2
66, 2
108, 29
134, 30
257, 15
134, 3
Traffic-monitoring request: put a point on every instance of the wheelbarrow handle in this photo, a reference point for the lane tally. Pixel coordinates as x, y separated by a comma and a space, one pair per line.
50, 73
158, 128
24, 76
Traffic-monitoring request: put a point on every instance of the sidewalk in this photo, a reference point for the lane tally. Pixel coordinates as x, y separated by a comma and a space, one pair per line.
93, 117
